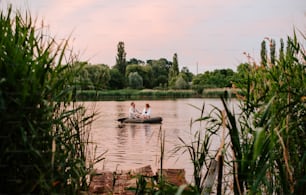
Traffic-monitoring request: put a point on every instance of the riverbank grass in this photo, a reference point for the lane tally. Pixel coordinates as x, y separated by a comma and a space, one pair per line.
133, 94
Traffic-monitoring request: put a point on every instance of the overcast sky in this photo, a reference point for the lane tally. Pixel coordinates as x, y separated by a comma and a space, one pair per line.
208, 34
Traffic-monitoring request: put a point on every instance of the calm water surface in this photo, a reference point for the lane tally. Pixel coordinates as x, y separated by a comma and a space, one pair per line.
136, 145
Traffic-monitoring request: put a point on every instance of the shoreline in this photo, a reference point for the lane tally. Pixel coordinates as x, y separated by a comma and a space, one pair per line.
148, 94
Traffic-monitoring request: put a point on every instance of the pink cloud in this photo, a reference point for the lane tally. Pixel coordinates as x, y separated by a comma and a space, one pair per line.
207, 32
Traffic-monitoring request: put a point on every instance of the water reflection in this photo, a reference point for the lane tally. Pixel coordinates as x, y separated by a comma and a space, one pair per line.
121, 136
134, 145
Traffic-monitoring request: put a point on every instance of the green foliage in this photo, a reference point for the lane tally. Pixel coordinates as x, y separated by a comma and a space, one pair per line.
160, 71
187, 75
266, 149
135, 80
134, 61
173, 71
252, 152
243, 70
44, 135
272, 51
134, 68
263, 53
163, 62
215, 79
99, 75
199, 147
93, 76
180, 83
154, 74
198, 151
269, 143
162, 82
172, 82
144, 71
157, 184
121, 58
117, 80
132, 94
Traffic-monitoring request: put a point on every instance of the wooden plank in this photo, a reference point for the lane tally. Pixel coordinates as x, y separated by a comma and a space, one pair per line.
209, 181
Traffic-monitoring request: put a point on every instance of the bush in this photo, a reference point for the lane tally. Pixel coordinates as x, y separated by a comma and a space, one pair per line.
180, 83
135, 80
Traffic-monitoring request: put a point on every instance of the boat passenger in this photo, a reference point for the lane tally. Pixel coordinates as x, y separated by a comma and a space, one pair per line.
133, 112
146, 112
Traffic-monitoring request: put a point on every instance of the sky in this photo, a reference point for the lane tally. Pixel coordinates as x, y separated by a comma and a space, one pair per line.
205, 34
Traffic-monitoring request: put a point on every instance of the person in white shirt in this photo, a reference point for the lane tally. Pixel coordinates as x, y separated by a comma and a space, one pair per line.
146, 113
133, 112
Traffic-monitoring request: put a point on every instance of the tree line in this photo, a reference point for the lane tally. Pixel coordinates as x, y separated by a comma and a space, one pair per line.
150, 74
164, 74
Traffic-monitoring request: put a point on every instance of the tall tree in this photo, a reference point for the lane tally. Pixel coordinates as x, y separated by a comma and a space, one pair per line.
121, 58
174, 70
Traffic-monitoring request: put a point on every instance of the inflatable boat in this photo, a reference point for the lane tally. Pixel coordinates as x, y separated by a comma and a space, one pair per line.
141, 120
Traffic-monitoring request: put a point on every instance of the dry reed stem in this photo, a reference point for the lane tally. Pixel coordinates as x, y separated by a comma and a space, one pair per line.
235, 172
286, 156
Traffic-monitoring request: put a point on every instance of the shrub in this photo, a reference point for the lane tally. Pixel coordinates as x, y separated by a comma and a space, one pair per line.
135, 80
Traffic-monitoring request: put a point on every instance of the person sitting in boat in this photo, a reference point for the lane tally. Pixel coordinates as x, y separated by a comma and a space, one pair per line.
146, 112
133, 112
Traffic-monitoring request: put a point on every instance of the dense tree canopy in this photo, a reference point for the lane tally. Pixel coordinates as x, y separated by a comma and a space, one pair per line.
187, 75
216, 79
144, 71
134, 61
93, 76
154, 73
117, 80
160, 70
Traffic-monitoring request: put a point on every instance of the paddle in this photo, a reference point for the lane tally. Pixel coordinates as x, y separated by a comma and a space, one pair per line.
122, 119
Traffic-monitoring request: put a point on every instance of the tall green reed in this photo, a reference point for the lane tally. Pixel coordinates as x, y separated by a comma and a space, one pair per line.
264, 149
44, 133
199, 149
268, 136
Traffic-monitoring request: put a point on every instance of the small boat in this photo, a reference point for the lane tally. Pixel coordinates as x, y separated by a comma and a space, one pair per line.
141, 120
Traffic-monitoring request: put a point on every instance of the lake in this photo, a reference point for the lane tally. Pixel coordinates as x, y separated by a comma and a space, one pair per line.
136, 145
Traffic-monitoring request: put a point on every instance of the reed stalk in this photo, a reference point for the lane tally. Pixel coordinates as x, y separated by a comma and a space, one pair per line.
272, 117
44, 133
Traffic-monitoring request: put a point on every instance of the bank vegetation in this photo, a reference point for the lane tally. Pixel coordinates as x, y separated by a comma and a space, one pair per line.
45, 145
